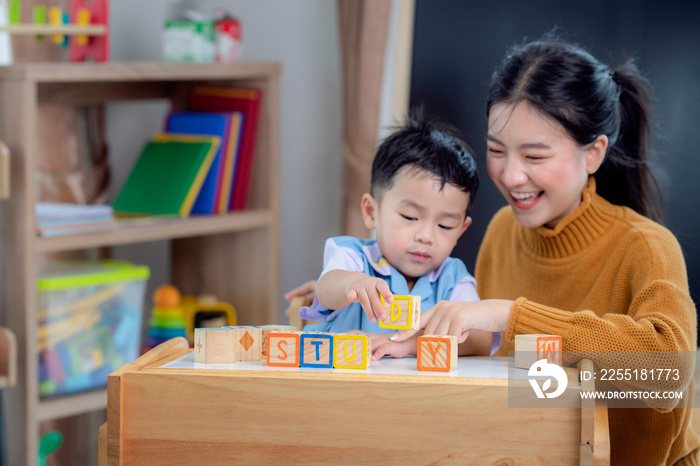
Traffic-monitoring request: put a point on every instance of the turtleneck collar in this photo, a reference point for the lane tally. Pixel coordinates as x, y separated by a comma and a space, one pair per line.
574, 232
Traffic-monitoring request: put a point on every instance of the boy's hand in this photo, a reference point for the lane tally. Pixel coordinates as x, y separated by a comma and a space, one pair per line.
459, 318
367, 291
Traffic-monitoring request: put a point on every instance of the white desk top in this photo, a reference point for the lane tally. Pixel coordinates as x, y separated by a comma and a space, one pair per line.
470, 367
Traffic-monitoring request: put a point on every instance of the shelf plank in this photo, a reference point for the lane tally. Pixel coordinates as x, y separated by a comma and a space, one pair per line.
137, 71
161, 230
72, 405
88, 30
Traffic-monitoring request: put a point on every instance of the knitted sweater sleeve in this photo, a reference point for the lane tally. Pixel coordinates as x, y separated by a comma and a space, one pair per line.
655, 326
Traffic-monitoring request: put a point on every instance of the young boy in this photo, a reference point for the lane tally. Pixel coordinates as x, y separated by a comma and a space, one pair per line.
424, 180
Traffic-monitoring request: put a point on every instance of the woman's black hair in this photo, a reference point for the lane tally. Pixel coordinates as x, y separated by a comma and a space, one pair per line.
588, 99
431, 145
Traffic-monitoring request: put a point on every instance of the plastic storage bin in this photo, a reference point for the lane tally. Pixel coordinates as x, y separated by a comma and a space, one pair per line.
90, 316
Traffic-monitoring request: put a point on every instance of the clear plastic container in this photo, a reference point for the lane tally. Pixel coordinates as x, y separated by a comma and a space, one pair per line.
90, 316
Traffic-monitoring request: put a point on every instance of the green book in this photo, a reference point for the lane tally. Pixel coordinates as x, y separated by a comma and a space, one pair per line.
168, 175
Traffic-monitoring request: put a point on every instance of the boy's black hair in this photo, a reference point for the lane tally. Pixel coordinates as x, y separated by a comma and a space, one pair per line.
431, 145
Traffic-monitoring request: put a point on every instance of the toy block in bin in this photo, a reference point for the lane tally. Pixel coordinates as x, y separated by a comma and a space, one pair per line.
533, 347
266, 329
214, 346
247, 342
283, 349
351, 351
437, 353
402, 314
206, 311
317, 350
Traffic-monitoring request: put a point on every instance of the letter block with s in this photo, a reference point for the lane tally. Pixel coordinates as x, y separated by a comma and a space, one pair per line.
402, 314
283, 349
437, 353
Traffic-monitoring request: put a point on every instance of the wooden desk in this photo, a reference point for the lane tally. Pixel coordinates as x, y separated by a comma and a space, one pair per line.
163, 411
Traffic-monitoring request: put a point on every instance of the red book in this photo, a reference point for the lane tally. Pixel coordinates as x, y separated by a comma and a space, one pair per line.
234, 99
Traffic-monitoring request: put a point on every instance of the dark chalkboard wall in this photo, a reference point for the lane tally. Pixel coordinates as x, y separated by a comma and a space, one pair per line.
458, 44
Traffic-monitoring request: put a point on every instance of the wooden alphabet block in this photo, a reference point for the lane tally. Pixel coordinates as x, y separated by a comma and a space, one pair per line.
351, 351
265, 329
247, 342
317, 350
531, 348
283, 349
214, 346
437, 353
402, 314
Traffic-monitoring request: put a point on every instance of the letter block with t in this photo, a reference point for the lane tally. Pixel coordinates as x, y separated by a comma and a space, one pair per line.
214, 346
437, 353
533, 347
283, 349
317, 350
247, 342
402, 314
351, 351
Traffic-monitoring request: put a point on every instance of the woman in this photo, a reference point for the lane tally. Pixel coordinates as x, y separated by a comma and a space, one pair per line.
574, 253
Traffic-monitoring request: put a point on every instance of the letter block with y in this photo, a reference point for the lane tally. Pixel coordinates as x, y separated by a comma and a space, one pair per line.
214, 346
317, 350
351, 351
283, 349
437, 353
403, 313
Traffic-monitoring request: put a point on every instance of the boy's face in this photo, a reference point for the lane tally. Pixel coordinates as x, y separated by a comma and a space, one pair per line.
417, 223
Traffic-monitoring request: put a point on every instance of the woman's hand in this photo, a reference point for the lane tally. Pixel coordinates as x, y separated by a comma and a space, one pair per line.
459, 318
306, 291
387, 347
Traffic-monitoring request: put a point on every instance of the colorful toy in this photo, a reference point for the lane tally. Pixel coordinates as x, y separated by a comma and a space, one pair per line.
206, 312
167, 319
317, 350
437, 353
403, 313
89, 30
48, 444
266, 329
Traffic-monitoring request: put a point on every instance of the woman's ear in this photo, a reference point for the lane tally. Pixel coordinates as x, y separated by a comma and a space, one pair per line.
368, 206
595, 154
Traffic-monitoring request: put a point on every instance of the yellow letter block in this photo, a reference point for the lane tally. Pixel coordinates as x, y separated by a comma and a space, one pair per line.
403, 313
351, 351
437, 353
214, 346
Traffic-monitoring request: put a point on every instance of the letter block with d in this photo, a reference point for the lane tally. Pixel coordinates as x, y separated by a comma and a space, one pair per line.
317, 350
351, 351
402, 314
283, 349
437, 353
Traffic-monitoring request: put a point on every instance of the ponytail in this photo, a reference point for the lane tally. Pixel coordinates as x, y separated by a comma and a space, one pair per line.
625, 177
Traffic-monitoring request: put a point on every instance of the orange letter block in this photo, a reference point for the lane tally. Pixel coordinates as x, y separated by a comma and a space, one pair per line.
403, 313
283, 349
351, 351
265, 329
533, 347
437, 353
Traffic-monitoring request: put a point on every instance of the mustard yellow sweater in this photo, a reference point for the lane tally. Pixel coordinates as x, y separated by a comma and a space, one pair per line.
607, 280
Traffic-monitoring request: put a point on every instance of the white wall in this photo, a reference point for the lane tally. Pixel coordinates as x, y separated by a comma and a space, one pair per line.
302, 35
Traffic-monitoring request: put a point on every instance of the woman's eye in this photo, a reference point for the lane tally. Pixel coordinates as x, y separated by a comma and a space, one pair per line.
493, 151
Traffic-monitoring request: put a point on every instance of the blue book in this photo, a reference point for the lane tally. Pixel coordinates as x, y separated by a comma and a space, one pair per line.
207, 124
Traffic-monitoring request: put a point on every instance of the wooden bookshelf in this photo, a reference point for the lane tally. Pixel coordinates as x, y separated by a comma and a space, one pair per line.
235, 256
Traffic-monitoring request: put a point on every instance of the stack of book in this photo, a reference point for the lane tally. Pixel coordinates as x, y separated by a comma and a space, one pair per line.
54, 219
202, 164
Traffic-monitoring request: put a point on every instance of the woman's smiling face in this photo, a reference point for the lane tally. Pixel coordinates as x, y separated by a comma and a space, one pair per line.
536, 165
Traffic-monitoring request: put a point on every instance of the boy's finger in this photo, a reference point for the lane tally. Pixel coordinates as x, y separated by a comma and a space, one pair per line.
366, 305
377, 305
352, 296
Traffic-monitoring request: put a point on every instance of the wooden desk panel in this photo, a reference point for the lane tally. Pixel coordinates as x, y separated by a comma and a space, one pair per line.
169, 416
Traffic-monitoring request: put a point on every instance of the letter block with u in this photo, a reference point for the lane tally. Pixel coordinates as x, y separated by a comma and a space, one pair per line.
283, 349
351, 351
437, 353
317, 350
402, 314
